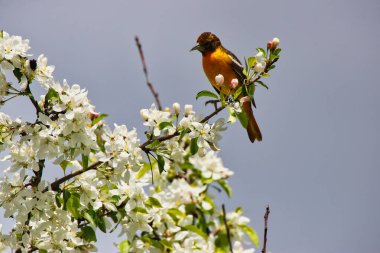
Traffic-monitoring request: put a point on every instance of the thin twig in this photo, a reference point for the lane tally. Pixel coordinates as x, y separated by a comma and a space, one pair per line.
266, 216
145, 69
28, 92
227, 228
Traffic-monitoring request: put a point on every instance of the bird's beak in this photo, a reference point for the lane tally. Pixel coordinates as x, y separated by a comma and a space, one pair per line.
197, 47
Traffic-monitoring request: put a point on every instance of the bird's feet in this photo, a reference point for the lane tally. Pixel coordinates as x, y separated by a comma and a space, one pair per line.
214, 102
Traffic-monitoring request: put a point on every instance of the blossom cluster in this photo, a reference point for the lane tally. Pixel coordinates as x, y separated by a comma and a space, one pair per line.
158, 192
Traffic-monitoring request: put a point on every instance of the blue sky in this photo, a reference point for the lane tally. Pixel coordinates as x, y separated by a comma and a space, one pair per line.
318, 165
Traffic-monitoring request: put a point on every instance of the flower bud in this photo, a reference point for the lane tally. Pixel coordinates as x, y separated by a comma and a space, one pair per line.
93, 114
259, 67
234, 83
202, 151
260, 57
176, 108
275, 43
188, 110
219, 79
166, 109
269, 44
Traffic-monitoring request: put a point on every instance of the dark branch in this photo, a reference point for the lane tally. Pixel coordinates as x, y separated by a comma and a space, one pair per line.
145, 69
266, 216
28, 92
55, 185
227, 228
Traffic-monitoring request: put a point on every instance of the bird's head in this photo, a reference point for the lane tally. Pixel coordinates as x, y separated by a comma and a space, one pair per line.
207, 42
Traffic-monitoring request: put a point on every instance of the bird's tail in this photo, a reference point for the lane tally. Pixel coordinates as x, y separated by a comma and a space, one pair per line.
253, 129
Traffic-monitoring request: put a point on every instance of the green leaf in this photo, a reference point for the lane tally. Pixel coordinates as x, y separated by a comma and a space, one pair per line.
58, 200
166, 244
18, 74
232, 117
51, 95
124, 246
154, 144
153, 202
138, 209
176, 214
161, 163
251, 61
42, 251
221, 242
144, 169
66, 196
225, 187
265, 75
194, 146
195, 230
251, 234
73, 205
164, 124
277, 51
238, 92
251, 90
262, 50
187, 165
84, 162
206, 93
223, 99
88, 234
101, 223
99, 118
64, 165
245, 72
213, 146
1, 34
89, 217
263, 84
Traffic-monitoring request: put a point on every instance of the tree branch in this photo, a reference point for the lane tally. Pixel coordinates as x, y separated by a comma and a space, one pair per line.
28, 92
176, 133
227, 228
266, 216
145, 69
55, 185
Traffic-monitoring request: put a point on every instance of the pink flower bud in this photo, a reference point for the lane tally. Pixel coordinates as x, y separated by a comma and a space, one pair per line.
93, 114
234, 83
270, 44
219, 79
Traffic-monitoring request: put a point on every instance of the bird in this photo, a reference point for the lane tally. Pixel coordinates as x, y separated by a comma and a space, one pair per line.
217, 60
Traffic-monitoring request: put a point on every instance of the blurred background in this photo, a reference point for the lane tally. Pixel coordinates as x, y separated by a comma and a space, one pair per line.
318, 166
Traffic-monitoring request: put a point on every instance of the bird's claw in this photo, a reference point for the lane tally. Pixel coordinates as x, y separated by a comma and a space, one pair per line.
230, 99
214, 102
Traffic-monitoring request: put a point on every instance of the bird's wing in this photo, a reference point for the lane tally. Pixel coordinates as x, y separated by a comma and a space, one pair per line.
238, 69
236, 66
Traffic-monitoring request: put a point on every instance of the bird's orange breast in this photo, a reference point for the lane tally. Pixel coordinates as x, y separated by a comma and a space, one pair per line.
219, 62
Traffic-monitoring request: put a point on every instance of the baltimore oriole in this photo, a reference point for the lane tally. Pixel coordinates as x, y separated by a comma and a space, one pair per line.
218, 60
